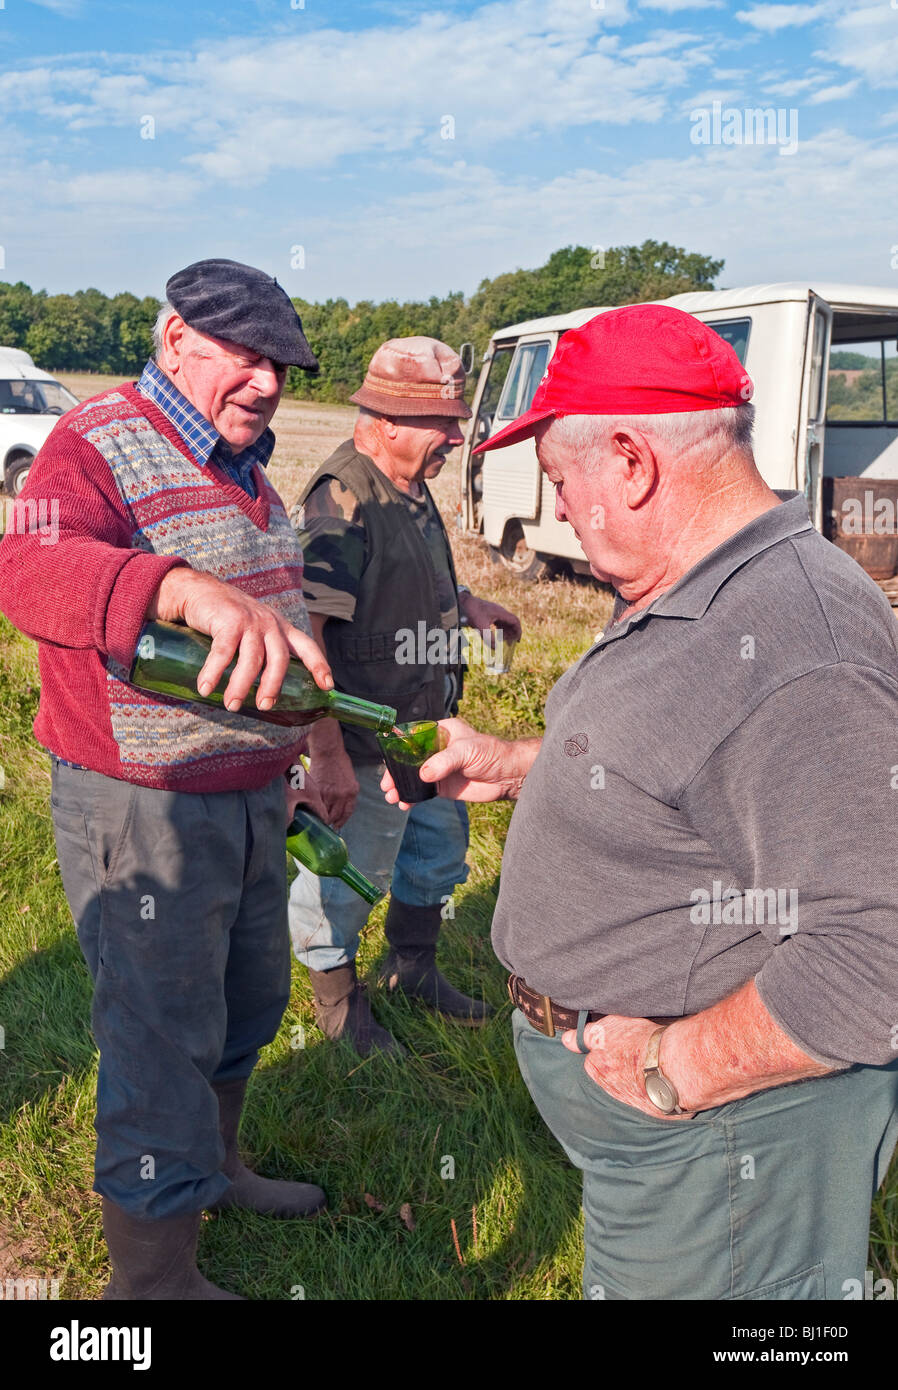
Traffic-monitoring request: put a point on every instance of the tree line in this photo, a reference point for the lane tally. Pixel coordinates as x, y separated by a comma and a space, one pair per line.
91, 332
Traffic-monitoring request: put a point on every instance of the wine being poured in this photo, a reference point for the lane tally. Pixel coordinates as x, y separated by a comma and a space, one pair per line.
169, 658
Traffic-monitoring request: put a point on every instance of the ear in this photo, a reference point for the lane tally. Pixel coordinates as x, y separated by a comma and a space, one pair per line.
639, 462
173, 344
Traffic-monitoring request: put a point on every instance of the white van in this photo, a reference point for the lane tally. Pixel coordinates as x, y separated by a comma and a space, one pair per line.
824, 362
30, 402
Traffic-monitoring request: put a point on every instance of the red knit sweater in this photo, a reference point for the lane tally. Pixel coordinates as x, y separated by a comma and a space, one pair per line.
124, 493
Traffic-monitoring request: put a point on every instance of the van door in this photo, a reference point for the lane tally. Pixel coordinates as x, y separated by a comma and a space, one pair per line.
493, 374
809, 435
511, 476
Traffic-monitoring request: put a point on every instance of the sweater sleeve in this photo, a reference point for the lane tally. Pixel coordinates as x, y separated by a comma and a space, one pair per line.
800, 802
68, 573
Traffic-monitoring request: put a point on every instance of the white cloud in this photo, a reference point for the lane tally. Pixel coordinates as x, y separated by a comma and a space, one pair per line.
771, 18
239, 110
67, 8
866, 40
772, 218
833, 93
674, 6
792, 87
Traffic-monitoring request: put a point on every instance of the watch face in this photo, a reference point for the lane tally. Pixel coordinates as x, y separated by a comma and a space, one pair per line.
661, 1093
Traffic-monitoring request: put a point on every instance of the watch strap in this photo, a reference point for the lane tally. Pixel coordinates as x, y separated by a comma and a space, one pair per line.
651, 1069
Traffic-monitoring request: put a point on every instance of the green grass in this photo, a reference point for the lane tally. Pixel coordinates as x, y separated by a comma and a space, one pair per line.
376, 1127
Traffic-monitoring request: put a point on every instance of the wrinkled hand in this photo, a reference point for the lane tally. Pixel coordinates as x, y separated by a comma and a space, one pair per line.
339, 788
617, 1048
472, 767
307, 795
237, 622
483, 614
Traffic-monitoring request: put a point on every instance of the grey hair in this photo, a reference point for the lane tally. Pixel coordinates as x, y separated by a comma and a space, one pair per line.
723, 431
166, 311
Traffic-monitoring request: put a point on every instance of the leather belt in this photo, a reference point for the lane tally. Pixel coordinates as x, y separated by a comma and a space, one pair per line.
550, 1018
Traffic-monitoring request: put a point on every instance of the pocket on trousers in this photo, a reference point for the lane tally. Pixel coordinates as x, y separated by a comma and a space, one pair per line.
106, 842
808, 1285
73, 849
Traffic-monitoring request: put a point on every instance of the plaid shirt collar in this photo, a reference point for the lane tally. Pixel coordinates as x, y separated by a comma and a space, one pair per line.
201, 438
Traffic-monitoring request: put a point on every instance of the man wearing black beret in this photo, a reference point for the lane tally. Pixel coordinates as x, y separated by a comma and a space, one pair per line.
169, 818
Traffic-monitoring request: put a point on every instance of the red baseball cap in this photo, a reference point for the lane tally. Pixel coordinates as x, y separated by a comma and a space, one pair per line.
644, 359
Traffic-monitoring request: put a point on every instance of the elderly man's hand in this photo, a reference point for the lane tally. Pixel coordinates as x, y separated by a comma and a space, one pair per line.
617, 1048
235, 621
338, 783
473, 766
483, 614
306, 795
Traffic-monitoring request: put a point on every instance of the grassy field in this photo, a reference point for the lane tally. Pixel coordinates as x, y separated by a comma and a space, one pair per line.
376, 1134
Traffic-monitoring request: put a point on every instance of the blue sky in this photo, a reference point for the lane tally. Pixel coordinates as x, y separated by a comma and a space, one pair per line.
324, 127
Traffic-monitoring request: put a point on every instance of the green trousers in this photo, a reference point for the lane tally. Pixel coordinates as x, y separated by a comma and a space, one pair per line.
764, 1198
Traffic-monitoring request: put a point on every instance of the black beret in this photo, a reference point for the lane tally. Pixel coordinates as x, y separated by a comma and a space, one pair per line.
227, 299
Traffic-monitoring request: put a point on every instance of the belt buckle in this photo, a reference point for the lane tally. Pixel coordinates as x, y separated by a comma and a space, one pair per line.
547, 1027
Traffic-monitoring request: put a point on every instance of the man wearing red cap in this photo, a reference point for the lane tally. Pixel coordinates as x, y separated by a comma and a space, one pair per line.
378, 569
697, 903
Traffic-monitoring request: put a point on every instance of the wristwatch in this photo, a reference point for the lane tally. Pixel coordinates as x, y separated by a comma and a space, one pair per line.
461, 589
660, 1091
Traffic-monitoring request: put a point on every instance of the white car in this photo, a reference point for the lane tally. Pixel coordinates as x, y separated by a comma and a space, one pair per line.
30, 403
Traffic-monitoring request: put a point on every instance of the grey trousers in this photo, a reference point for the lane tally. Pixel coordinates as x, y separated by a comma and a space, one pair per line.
767, 1197
180, 903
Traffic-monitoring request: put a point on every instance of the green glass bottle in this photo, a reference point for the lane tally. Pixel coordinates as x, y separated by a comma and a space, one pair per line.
323, 851
169, 658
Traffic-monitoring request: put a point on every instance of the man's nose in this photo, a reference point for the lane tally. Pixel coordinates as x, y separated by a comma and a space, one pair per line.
266, 379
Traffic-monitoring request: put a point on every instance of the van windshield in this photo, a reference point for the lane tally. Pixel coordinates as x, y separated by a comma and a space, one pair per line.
20, 397
521, 383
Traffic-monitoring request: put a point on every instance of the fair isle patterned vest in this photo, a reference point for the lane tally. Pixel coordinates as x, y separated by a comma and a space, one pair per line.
180, 508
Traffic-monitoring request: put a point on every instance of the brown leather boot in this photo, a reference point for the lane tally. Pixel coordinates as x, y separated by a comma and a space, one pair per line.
267, 1196
155, 1260
342, 1010
411, 964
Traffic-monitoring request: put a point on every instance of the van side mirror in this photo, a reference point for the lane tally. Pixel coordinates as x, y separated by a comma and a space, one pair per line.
466, 353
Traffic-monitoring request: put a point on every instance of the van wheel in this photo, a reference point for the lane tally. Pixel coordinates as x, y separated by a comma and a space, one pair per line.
16, 476
517, 556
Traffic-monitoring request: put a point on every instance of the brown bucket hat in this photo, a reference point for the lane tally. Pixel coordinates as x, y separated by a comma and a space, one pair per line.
414, 376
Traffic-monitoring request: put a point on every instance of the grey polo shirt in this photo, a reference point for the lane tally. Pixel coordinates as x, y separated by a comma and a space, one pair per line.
715, 800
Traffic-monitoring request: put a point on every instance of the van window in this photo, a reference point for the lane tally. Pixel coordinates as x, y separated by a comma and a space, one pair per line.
527, 372
25, 397
863, 383
735, 332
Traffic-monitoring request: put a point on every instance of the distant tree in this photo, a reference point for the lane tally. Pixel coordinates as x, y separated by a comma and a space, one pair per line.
68, 335
849, 361
131, 331
89, 331
18, 309
575, 277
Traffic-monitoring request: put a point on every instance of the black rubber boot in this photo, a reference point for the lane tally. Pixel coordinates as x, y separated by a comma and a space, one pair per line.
249, 1191
342, 1010
155, 1260
411, 964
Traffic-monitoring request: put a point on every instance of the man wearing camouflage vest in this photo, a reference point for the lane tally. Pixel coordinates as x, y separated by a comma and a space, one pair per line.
378, 568
169, 818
